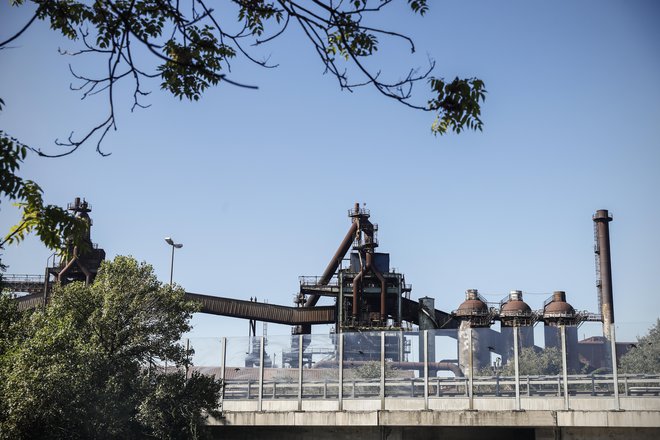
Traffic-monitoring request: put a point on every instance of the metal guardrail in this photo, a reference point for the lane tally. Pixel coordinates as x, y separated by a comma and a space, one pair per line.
313, 280
444, 387
26, 278
23, 283
346, 374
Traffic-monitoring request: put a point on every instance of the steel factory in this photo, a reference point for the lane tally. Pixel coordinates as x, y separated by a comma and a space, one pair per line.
368, 295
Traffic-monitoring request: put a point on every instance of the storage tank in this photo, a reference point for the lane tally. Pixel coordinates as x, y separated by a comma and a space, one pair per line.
556, 311
515, 311
474, 309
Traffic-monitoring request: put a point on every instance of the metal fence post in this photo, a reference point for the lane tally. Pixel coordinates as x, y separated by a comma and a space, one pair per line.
223, 366
300, 371
382, 370
426, 369
516, 366
564, 366
615, 371
340, 392
261, 373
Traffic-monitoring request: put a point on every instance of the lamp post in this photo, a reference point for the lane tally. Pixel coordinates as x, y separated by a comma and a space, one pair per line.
174, 245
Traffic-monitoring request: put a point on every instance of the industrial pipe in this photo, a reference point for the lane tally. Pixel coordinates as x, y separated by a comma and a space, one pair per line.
69, 265
383, 284
334, 263
369, 267
356, 286
337, 257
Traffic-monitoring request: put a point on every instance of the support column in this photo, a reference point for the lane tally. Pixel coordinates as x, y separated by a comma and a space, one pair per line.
426, 369
300, 371
382, 370
223, 368
340, 393
615, 371
516, 366
261, 373
564, 366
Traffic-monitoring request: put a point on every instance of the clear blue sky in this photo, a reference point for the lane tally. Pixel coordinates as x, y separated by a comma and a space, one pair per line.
256, 184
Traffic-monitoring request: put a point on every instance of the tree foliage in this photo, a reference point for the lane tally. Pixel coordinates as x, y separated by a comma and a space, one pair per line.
644, 357
372, 370
193, 43
89, 366
534, 362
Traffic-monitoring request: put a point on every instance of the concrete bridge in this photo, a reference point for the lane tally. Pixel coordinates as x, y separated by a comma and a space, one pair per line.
320, 390
491, 417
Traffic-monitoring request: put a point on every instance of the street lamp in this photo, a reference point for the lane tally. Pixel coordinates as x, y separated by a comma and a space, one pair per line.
174, 245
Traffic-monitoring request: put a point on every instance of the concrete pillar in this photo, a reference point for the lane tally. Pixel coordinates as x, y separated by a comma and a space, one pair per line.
480, 344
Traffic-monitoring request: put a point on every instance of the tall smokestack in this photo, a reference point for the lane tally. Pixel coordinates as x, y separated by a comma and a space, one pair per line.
604, 267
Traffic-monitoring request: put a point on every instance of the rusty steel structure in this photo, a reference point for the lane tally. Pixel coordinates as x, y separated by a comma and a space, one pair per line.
366, 294
81, 264
84, 262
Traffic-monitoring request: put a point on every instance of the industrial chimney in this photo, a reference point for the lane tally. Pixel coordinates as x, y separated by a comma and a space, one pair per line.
604, 269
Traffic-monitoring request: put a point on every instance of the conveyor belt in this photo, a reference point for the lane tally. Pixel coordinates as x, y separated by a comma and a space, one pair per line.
237, 308
215, 305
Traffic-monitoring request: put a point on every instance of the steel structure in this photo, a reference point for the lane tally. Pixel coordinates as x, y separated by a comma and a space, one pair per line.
367, 295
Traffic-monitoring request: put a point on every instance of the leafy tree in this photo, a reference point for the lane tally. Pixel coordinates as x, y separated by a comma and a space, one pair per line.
174, 408
88, 366
532, 362
371, 370
644, 357
190, 45
9, 318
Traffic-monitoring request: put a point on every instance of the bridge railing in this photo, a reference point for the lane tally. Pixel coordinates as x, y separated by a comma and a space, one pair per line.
426, 365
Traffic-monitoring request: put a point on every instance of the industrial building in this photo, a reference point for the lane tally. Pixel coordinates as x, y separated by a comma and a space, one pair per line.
370, 296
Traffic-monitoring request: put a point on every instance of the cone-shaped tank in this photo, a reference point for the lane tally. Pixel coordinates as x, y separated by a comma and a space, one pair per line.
557, 311
474, 309
515, 311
